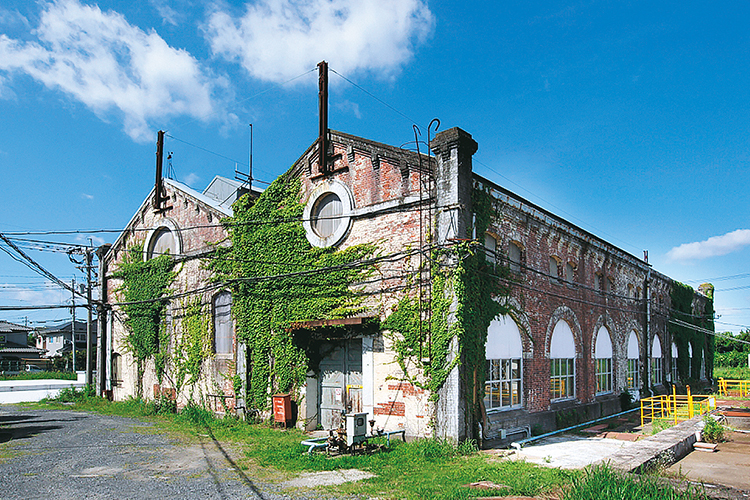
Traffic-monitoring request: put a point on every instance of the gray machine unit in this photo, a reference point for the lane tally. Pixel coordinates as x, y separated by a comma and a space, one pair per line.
356, 428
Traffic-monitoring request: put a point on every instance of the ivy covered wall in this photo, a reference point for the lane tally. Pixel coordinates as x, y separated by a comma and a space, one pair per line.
278, 279
686, 309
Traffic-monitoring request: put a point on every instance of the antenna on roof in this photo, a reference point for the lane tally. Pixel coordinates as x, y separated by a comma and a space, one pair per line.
242, 176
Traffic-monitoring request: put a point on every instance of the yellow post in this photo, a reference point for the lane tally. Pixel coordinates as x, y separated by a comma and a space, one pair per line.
690, 402
674, 403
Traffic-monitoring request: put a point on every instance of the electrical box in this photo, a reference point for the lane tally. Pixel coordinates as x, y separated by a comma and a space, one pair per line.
282, 408
356, 428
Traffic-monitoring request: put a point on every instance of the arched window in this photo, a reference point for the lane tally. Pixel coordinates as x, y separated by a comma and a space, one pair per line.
562, 353
222, 309
675, 373
116, 369
603, 355
514, 256
690, 360
504, 354
634, 358
656, 364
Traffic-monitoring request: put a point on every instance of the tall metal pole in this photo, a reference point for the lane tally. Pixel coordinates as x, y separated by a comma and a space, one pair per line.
89, 368
73, 325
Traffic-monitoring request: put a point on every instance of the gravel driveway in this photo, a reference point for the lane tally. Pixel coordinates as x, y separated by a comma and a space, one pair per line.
67, 454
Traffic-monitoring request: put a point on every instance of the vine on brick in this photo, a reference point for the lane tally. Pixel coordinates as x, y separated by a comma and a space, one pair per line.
266, 309
194, 346
143, 284
682, 309
464, 276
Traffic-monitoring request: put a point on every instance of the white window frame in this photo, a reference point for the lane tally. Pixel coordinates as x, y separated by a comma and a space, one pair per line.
562, 379
603, 376
224, 351
504, 347
562, 363
502, 380
633, 370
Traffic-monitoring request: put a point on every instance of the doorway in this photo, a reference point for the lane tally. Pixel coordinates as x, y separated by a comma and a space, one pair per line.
340, 381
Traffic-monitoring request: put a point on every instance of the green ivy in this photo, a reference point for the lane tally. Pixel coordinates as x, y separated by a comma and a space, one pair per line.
194, 345
268, 240
464, 276
144, 283
682, 309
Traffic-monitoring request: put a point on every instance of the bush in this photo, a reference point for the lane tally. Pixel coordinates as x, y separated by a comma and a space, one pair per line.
73, 395
626, 400
713, 431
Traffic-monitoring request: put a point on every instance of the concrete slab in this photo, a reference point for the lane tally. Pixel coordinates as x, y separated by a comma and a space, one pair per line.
326, 478
729, 466
570, 451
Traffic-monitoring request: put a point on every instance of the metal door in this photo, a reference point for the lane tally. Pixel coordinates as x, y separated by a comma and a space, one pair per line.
340, 382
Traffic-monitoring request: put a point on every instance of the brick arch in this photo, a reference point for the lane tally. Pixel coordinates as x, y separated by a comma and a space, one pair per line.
566, 314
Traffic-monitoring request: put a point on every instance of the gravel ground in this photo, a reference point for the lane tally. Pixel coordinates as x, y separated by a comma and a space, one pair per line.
67, 454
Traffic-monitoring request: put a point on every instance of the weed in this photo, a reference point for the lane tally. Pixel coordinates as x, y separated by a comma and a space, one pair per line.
713, 431
660, 424
602, 483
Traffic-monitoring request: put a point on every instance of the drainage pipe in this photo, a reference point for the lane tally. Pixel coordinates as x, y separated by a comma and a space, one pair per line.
518, 444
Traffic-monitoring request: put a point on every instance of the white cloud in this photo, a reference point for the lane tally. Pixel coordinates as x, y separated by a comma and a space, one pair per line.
276, 40
87, 196
712, 247
110, 65
168, 14
350, 107
95, 240
191, 179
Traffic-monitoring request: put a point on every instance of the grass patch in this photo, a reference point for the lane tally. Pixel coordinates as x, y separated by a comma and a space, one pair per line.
425, 468
602, 483
40, 376
660, 424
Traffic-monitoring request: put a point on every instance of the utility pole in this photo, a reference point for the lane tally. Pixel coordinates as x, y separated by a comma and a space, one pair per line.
73, 324
89, 368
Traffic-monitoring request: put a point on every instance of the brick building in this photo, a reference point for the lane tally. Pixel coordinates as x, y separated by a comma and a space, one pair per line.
585, 320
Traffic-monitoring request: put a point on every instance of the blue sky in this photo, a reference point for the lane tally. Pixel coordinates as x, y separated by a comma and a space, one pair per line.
629, 119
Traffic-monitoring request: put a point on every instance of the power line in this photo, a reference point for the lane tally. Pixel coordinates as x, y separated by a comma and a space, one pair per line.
36, 267
373, 96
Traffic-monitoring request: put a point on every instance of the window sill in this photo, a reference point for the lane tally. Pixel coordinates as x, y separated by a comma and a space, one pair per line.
504, 409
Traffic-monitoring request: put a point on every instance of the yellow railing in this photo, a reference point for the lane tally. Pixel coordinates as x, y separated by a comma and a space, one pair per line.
735, 388
675, 408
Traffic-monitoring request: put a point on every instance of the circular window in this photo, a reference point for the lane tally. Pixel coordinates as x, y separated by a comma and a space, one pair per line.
326, 215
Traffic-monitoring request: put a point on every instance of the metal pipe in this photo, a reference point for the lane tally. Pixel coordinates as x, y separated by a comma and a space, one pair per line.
518, 444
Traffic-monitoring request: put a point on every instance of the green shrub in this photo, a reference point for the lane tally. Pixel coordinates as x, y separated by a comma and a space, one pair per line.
736, 373
713, 431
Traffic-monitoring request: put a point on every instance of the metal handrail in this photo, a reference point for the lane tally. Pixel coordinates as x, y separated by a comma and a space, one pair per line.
676, 408
734, 387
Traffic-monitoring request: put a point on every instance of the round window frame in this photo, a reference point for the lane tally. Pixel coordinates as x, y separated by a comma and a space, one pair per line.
165, 223
347, 204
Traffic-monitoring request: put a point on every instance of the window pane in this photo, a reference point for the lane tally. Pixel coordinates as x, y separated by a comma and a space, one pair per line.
223, 323
326, 215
